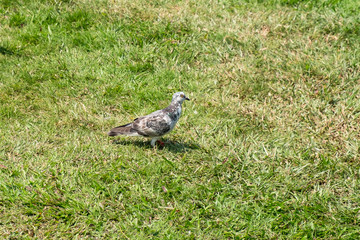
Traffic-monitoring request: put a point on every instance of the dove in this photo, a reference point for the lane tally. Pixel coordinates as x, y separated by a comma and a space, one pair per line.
156, 124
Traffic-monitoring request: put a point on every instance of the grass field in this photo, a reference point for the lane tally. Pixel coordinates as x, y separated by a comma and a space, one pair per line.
268, 148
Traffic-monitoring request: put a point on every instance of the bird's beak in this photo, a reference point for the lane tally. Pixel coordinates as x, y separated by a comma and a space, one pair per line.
186, 98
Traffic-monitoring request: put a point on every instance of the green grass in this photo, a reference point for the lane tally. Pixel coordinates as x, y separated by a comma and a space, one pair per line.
268, 148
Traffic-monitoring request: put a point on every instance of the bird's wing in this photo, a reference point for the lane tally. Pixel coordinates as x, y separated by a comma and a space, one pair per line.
155, 124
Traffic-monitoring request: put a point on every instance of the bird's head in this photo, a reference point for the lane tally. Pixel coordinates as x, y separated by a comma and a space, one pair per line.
179, 97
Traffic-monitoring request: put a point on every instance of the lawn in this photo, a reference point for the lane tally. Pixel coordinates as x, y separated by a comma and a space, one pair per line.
267, 148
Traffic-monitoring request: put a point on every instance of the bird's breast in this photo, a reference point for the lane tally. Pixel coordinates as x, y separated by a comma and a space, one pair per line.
175, 115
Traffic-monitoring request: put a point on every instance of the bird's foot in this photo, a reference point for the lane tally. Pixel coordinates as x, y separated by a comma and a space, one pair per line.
161, 143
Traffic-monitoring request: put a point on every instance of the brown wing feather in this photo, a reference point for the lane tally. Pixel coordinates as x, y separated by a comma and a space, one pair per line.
126, 129
140, 126
151, 126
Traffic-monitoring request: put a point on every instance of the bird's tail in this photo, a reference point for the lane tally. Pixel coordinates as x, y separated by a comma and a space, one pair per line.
123, 130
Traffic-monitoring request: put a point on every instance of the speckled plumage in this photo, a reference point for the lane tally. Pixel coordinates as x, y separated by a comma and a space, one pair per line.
155, 124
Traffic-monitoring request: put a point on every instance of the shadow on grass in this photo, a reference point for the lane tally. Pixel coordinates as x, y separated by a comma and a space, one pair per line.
168, 145
5, 51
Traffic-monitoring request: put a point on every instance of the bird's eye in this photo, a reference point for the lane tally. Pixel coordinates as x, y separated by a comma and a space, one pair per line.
182, 95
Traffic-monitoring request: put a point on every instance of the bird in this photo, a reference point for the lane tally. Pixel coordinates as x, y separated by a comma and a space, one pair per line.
156, 124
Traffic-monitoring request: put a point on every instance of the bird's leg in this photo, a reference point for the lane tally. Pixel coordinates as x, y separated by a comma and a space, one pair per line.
153, 141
